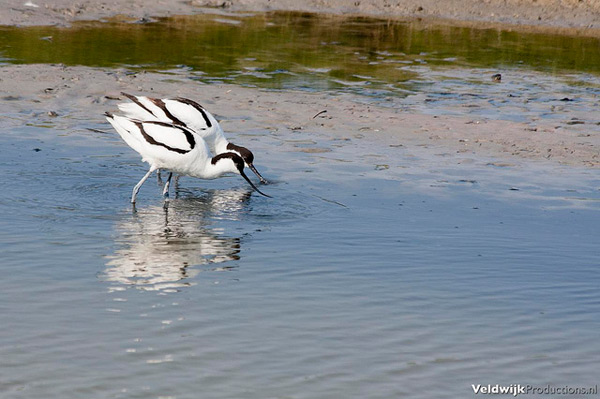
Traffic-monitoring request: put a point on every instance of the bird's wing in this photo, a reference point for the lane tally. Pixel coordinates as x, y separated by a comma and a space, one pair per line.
148, 109
141, 134
128, 131
178, 111
172, 137
190, 113
134, 111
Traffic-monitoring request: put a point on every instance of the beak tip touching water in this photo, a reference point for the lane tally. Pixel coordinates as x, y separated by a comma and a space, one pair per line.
253, 169
253, 186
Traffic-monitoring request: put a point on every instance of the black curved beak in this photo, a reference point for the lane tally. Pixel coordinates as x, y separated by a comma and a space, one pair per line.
252, 184
262, 179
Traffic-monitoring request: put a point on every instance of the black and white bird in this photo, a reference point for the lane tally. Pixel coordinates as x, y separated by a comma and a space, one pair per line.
176, 148
191, 115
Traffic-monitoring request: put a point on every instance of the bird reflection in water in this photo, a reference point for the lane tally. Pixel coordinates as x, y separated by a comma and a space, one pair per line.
163, 247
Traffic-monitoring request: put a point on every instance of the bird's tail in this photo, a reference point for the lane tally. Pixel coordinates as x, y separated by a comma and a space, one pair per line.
134, 111
128, 130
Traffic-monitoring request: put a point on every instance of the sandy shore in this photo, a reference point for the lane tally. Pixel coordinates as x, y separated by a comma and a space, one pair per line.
582, 16
32, 93
73, 98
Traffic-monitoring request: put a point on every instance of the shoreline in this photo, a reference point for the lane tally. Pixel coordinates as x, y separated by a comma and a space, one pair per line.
25, 88
62, 97
563, 17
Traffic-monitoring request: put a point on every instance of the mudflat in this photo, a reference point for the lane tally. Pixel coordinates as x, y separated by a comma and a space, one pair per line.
582, 15
68, 95
82, 91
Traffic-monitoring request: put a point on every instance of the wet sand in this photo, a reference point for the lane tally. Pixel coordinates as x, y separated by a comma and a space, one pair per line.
76, 97
583, 16
78, 94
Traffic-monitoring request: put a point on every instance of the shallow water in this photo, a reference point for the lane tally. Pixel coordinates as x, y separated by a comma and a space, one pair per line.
416, 280
412, 65
281, 44
374, 272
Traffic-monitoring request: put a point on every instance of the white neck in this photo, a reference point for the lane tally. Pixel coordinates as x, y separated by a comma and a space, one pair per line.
220, 144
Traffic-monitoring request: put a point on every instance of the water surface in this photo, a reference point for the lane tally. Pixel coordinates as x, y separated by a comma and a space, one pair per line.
412, 65
284, 43
371, 285
374, 272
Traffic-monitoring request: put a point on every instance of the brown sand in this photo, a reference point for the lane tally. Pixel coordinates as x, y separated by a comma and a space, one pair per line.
31, 93
582, 15
80, 94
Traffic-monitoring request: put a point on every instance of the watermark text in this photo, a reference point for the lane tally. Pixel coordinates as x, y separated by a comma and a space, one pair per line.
518, 389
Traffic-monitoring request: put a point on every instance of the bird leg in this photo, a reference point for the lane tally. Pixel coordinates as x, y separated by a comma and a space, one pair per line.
166, 188
177, 186
136, 189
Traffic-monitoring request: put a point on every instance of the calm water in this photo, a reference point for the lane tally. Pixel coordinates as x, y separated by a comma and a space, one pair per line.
412, 65
354, 281
283, 44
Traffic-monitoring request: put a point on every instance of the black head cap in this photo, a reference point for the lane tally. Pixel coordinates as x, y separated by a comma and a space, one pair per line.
239, 164
237, 160
248, 157
245, 153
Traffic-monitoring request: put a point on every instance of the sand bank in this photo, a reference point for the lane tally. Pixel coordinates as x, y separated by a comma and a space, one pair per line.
73, 98
76, 94
572, 16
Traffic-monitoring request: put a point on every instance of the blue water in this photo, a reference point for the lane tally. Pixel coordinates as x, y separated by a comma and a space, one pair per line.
352, 282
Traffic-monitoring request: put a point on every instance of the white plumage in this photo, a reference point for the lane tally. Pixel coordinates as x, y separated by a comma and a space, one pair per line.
191, 115
175, 148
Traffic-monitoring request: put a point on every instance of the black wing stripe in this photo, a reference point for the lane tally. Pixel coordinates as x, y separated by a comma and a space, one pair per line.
151, 140
161, 104
138, 103
188, 135
198, 108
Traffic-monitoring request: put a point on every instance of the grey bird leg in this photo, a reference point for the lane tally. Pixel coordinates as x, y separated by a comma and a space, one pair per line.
177, 186
136, 189
166, 188
158, 178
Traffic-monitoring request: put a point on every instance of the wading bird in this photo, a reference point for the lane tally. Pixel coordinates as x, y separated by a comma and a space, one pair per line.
175, 148
191, 115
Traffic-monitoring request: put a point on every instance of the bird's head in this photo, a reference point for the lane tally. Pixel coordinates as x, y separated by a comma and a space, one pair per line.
248, 158
232, 162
